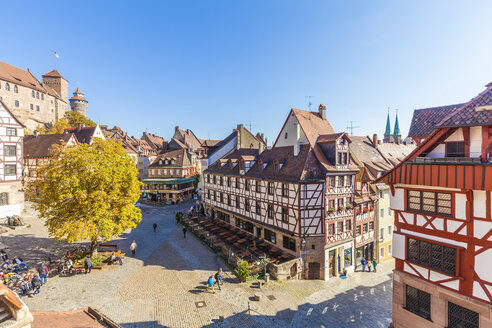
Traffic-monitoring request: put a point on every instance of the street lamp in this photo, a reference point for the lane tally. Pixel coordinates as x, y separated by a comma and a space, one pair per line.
303, 253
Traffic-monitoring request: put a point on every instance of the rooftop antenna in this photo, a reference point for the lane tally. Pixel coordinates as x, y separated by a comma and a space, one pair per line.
250, 125
310, 103
352, 127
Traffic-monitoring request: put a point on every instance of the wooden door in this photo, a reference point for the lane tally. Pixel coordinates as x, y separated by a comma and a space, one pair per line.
314, 270
332, 263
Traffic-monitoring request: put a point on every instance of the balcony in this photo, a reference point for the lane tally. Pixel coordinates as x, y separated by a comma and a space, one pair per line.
449, 160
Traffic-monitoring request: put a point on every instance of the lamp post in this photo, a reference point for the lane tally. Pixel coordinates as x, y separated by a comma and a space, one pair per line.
303, 247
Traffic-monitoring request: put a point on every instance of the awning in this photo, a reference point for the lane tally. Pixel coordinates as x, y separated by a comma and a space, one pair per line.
169, 181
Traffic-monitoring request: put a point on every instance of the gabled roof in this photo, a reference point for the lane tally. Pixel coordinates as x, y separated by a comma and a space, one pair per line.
327, 138
41, 145
302, 167
158, 143
312, 124
364, 153
477, 111
188, 138
83, 135
425, 120
210, 143
11, 114
180, 156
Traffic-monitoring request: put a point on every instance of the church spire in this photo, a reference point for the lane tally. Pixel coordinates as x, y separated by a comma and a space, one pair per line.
396, 130
388, 126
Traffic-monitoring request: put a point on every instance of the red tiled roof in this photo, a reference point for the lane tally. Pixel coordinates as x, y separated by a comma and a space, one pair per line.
312, 124
41, 145
424, 120
77, 90
477, 111
330, 137
54, 73
19, 76
180, 156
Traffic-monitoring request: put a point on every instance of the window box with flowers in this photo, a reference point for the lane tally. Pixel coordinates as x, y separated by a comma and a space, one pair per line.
331, 210
341, 208
359, 211
371, 208
350, 206
366, 210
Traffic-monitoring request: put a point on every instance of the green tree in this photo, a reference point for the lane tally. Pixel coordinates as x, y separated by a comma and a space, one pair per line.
88, 192
71, 119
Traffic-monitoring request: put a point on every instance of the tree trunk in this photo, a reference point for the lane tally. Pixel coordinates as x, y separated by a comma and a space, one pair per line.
92, 247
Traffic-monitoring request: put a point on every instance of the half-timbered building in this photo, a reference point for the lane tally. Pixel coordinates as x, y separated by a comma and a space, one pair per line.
171, 176
11, 192
441, 200
280, 194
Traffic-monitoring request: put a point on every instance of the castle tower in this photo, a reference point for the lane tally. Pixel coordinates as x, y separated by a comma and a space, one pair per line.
78, 103
57, 82
387, 132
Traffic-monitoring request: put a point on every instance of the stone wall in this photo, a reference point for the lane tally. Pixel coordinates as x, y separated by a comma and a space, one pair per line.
284, 271
15, 197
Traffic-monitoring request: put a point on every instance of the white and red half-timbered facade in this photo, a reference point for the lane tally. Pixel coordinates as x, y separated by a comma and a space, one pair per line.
11, 166
280, 194
441, 200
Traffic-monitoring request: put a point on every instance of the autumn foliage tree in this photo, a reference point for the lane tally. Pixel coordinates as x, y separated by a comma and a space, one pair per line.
88, 192
71, 119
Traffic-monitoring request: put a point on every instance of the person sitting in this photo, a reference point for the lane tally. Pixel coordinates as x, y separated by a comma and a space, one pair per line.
69, 264
5, 256
5, 265
16, 260
115, 258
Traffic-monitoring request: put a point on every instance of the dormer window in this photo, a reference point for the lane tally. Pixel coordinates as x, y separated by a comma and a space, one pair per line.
455, 149
160, 162
260, 165
166, 162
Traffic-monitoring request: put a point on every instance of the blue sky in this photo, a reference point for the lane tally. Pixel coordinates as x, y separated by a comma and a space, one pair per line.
209, 65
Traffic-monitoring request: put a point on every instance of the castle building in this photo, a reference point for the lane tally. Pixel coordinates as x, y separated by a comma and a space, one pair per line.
441, 199
396, 135
35, 103
78, 102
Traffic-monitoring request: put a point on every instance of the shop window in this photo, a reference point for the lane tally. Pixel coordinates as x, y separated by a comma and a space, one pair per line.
270, 236
418, 302
347, 257
289, 243
4, 198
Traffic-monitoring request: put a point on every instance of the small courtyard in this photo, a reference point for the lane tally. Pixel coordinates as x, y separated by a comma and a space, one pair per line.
164, 284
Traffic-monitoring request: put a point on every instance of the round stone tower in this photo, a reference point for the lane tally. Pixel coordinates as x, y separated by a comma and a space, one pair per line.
78, 103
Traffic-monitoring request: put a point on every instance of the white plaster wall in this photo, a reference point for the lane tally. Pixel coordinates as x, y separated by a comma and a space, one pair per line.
398, 246
460, 206
438, 152
478, 291
483, 265
290, 128
456, 136
9, 210
479, 203
397, 202
475, 141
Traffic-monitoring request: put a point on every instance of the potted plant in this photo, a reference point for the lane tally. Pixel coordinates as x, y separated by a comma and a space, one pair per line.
242, 271
344, 272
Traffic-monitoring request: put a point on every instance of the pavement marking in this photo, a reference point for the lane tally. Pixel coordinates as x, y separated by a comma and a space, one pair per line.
324, 310
309, 311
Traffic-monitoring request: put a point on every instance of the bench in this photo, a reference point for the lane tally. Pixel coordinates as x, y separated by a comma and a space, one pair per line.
78, 268
110, 247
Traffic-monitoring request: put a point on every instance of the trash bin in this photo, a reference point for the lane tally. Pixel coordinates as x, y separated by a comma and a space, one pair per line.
267, 277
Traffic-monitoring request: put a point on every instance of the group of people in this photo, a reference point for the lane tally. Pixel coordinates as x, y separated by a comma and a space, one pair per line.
365, 263
16, 265
17, 277
33, 280
218, 281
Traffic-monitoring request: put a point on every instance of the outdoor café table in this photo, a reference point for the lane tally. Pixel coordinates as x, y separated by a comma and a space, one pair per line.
243, 253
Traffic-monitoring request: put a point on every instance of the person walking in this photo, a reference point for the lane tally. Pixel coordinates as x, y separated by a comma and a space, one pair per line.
133, 247
43, 273
88, 265
369, 266
36, 284
374, 264
154, 226
364, 263
210, 284
184, 232
218, 278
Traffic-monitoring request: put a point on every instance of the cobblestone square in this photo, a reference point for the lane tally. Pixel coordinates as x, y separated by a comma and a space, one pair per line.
162, 284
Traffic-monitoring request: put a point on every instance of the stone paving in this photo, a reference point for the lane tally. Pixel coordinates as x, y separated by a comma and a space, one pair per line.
164, 285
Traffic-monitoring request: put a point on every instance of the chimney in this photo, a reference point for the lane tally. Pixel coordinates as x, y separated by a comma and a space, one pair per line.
322, 111
375, 139
297, 146
176, 128
36, 133
238, 139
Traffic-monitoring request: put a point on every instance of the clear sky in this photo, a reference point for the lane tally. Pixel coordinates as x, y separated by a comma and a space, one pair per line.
209, 65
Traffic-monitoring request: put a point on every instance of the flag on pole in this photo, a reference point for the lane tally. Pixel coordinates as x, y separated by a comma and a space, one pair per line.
56, 55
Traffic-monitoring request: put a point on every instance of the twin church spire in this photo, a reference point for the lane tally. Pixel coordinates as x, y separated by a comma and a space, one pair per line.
396, 135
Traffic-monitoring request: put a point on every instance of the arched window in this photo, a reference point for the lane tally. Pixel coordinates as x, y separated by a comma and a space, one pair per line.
37, 95
7, 87
16, 90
